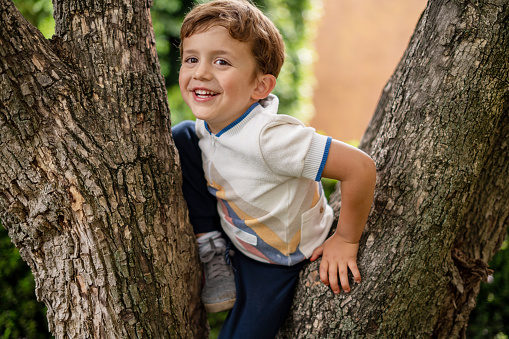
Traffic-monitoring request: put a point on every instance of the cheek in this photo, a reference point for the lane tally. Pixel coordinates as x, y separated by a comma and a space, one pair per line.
181, 79
183, 86
234, 85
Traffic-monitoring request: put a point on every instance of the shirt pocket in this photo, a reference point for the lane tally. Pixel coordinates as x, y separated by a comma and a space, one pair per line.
313, 229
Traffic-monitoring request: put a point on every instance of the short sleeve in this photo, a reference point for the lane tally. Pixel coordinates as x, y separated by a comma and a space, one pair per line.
291, 149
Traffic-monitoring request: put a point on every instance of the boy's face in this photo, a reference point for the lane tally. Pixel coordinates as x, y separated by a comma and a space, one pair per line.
217, 77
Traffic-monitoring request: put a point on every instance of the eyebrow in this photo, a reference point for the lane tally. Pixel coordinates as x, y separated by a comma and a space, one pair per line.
216, 52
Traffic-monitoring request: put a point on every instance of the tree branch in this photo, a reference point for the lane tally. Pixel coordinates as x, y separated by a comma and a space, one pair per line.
436, 138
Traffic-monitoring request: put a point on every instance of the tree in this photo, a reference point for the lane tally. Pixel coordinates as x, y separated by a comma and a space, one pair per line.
89, 180
90, 183
439, 137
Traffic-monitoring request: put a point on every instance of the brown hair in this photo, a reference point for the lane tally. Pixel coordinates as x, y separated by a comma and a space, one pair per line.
244, 22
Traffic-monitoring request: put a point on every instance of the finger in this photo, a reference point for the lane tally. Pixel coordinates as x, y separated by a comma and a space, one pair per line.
343, 276
355, 272
333, 278
324, 270
316, 253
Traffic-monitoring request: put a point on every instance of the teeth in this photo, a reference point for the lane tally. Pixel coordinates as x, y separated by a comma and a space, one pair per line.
201, 92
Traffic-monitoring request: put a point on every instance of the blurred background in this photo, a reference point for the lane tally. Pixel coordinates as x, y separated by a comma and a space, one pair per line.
340, 54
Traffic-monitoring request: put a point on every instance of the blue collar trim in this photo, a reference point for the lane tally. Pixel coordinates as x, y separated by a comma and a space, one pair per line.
235, 123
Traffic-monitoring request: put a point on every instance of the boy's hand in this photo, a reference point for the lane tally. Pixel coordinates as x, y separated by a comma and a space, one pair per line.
338, 255
357, 173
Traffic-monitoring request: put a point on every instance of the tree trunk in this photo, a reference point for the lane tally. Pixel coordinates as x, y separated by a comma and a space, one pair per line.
439, 137
90, 186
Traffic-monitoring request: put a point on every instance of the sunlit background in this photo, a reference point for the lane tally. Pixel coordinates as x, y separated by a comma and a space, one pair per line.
358, 45
340, 54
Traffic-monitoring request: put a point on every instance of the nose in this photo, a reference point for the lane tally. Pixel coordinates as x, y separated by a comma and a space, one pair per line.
202, 72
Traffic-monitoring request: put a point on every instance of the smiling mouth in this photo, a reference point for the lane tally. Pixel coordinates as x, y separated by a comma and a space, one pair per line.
204, 94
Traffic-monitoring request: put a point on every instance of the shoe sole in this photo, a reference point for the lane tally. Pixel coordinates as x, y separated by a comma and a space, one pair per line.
220, 307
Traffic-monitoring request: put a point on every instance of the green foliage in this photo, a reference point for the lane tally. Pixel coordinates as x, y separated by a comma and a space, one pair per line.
21, 316
489, 318
39, 13
328, 186
296, 20
216, 320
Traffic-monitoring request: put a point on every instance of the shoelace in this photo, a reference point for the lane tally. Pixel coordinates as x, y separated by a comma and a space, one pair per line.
214, 258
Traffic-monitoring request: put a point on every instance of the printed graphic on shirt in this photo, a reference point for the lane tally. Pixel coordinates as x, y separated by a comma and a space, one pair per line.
247, 225
269, 245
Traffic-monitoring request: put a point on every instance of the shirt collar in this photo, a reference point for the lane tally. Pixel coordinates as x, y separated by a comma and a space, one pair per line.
233, 124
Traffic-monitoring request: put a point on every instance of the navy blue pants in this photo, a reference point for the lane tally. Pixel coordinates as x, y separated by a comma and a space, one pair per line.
264, 291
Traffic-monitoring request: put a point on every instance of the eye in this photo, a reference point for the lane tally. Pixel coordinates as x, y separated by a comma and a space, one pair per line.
191, 60
222, 62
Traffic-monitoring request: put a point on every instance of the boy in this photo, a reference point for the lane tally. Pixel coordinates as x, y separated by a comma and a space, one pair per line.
263, 170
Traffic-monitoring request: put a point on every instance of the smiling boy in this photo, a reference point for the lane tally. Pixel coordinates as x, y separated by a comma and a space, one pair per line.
252, 176
218, 77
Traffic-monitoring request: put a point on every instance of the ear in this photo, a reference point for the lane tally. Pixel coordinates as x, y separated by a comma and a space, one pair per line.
265, 85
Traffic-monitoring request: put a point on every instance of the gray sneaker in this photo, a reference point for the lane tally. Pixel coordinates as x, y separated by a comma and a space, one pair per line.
218, 293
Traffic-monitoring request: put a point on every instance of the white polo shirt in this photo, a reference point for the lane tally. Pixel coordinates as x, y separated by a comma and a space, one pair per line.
265, 170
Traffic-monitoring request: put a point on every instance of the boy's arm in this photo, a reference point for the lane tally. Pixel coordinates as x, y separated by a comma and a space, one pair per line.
357, 173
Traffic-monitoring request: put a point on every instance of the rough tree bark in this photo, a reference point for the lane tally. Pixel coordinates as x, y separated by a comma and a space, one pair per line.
89, 177
439, 137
